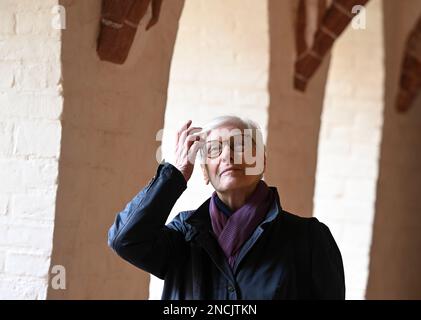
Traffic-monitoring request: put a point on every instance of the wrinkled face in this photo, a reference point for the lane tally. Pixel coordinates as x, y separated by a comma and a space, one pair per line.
233, 157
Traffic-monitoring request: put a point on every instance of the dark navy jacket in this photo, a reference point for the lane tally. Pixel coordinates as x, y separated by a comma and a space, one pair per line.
287, 257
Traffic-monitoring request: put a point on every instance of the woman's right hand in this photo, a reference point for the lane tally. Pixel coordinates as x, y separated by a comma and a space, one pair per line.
186, 147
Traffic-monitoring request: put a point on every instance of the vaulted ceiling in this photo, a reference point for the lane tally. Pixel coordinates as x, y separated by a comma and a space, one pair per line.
318, 24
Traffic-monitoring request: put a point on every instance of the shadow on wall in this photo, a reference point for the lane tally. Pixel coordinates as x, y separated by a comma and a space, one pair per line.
396, 246
111, 115
294, 116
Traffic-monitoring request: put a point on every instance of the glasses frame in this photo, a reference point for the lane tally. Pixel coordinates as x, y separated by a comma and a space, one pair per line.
231, 140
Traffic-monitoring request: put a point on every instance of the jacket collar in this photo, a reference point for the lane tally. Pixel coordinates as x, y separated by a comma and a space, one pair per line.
202, 227
200, 218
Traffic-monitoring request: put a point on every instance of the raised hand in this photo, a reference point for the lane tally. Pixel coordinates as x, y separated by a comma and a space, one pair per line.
187, 144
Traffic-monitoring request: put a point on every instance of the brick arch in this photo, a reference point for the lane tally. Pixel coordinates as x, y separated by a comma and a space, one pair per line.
109, 110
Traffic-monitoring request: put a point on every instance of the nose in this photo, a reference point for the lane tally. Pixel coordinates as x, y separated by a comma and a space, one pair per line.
227, 154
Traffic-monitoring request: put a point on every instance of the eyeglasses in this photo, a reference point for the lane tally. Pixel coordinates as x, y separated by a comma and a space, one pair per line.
237, 143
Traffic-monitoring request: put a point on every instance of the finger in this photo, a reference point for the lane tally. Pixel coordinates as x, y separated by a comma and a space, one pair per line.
185, 133
190, 139
184, 127
181, 130
194, 131
193, 151
195, 147
202, 134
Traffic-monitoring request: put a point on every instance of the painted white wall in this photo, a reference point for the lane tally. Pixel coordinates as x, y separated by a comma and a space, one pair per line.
349, 145
30, 135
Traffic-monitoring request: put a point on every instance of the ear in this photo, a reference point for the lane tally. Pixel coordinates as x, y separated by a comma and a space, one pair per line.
264, 163
205, 173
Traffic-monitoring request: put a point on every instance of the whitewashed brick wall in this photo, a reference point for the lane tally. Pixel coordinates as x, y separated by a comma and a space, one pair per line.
220, 66
395, 260
30, 133
349, 144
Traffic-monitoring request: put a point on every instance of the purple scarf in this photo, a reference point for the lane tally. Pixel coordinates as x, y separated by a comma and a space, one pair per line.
233, 231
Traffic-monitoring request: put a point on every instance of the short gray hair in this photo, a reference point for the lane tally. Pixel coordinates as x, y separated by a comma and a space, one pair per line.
231, 119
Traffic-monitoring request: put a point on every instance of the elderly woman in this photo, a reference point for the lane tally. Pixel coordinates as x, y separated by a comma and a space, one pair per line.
240, 243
